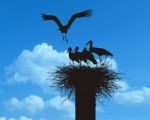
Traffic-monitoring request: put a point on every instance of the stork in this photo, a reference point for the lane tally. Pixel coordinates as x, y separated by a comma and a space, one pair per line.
89, 56
80, 55
64, 28
99, 51
72, 56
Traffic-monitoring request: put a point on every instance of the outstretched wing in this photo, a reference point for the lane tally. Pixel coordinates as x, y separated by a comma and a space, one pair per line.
52, 17
86, 13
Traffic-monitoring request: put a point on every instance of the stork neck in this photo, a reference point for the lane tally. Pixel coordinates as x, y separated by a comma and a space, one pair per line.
69, 52
91, 45
76, 51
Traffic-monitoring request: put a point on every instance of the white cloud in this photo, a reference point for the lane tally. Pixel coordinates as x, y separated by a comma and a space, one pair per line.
20, 118
62, 104
24, 118
111, 63
2, 118
31, 104
34, 104
11, 119
126, 95
123, 86
34, 65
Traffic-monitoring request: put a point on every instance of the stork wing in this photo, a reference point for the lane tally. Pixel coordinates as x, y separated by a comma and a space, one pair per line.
52, 17
86, 13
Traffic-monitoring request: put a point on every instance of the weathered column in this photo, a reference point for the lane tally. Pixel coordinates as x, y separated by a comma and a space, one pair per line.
85, 104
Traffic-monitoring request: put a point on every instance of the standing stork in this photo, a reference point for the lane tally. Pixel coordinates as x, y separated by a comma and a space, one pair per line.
80, 55
89, 56
72, 56
99, 51
64, 28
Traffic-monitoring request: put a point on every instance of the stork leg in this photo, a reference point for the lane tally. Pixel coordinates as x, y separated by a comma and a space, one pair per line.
66, 37
105, 59
73, 63
80, 63
86, 63
100, 60
96, 64
62, 36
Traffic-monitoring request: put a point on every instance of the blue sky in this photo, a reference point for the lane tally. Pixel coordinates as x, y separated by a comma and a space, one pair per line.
30, 47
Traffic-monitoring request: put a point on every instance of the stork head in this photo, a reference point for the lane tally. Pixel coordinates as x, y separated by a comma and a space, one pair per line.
84, 50
76, 49
69, 49
90, 42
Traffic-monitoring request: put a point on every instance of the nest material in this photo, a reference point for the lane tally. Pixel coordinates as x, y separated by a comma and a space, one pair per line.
101, 79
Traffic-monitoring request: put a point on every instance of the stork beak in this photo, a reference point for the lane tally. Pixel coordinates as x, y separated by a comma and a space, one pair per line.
87, 43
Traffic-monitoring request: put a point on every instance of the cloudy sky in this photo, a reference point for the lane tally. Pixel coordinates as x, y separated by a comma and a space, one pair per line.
31, 47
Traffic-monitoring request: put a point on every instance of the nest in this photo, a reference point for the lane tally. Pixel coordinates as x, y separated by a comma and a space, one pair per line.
70, 78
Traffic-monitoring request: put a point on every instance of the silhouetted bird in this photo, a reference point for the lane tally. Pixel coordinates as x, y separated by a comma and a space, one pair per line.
99, 51
72, 56
81, 57
89, 56
64, 28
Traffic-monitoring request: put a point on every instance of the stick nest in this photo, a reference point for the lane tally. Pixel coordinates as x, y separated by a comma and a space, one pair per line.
101, 79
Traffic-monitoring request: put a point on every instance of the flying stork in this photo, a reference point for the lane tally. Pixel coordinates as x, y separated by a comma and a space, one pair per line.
99, 51
64, 28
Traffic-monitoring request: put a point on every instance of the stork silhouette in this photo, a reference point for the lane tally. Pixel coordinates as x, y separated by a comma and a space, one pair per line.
89, 56
80, 56
64, 28
72, 56
99, 51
